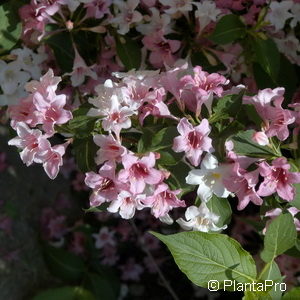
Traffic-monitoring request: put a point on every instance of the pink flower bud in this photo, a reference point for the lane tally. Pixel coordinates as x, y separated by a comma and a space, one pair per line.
69, 24
260, 138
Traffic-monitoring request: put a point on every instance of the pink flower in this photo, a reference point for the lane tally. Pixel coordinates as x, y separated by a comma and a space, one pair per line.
126, 203
32, 143
24, 111
138, 172
110, 149
243, 183
279, 119
260, 138
154, 105
50, 111
162, 49
172, 83
46, 85
277, 178
268, 105
200, 88
193, 140
104, 184
52, 159
163, 200
104, 238
97, 8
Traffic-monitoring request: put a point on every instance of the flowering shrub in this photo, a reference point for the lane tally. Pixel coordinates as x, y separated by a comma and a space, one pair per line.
181, 110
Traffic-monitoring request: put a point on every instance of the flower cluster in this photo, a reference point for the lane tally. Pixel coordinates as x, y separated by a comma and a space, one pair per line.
41, 107
163, 105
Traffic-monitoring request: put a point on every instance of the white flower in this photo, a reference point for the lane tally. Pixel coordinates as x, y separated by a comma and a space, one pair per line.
278, 13
175, 6
127, 15
209, 178
30, 61
14, 98
296, 14
126, 204
206, 12
73, 4
166, 219
289, 46
11, 77
157, 22
200, 219
80, 71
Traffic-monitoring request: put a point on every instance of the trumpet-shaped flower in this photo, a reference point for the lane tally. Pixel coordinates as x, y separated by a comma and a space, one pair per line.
127, 15
52, 160
138, 172
80, 71
209, 178
50, 111
110, 149
104, 184
200, 219
278, 178
32, 143
243, 183
163, 200
193, 140
126, 204
11, 77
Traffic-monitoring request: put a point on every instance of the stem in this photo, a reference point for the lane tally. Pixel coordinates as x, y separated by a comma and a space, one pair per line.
146, 250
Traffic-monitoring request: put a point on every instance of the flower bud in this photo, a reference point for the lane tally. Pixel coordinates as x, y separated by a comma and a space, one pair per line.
260, 138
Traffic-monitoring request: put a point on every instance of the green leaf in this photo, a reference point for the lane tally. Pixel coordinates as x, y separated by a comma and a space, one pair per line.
243, 145
228, 29
129, 51
61, 44
262, 78
272, 272
228, 106
154, 141
82, 126
295, 168
204, 256
293, 294
10, 25
164, 138
65, 293
280, 236
177, 177
85, 152
169, 158
267, 55
220, 207
99, 208
102, 287
63, 264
